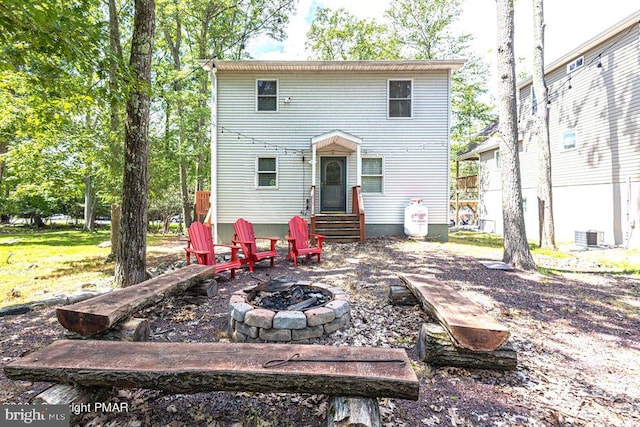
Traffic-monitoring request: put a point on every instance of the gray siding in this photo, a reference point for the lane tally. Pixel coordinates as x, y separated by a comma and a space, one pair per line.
603, 106
590, 182
415, 151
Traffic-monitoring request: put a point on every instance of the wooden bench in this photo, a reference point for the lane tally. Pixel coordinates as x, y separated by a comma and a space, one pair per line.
100, 313
198, 367
467, 336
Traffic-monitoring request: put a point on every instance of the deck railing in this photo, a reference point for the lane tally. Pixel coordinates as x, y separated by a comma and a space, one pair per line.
467, 182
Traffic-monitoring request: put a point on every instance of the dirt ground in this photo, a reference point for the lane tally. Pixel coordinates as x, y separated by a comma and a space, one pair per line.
577, 338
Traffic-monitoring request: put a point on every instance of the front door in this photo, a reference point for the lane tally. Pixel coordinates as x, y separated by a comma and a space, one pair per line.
333, 196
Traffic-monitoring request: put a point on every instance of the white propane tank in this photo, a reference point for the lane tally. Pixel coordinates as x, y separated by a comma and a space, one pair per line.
416, 219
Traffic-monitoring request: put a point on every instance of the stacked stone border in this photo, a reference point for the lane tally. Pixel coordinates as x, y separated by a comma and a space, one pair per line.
250, 324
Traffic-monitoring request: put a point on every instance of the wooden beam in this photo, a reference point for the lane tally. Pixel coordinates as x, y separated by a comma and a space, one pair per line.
468, 324
196, 367
100, 313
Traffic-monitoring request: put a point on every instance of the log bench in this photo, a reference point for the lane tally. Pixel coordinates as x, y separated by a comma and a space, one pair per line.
197, 367
467, 337
353, 376
97, 315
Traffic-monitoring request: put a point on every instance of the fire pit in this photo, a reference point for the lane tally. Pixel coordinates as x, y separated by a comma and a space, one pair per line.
287, 310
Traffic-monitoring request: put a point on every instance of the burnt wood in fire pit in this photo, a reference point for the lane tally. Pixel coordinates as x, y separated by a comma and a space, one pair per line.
286, 294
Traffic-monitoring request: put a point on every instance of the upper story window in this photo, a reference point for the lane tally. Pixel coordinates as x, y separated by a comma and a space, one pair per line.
372, 175
400, 101
569, 139
574, 65
496, 156
267, 172
267, 95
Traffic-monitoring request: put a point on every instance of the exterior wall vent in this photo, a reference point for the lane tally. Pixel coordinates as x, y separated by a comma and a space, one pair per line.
589, 238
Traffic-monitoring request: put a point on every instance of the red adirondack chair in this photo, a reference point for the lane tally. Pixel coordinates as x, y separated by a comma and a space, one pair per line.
201, 245
245, 237
299, 239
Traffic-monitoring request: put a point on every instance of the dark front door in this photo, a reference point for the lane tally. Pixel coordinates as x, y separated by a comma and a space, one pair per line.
333, 184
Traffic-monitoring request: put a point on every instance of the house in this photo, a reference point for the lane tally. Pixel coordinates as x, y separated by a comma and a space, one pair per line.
594, 121
329, 140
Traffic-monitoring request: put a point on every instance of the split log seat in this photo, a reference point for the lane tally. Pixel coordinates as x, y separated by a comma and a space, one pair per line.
100, 313
468, 325
201, 367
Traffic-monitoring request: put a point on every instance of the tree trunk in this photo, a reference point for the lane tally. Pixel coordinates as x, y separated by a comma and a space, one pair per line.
175, 46
4, 145
89, 205
516, 248
116, 213
353, 412
131, 262
545, 206
435, 347
115, 149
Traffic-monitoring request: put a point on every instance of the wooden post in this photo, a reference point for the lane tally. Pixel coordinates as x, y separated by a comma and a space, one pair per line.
436, 348
400, 295
353, 412
206, 288
61, 394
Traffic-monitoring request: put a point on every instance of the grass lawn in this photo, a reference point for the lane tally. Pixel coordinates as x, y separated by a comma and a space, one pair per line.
36, 265
566, 258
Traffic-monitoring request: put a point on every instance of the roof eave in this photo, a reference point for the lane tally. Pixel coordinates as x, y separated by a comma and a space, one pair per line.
588, 45
334, 66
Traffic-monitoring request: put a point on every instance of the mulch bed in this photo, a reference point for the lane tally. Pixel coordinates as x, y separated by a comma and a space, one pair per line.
577, 338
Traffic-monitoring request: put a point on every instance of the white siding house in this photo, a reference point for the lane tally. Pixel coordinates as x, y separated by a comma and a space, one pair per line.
294, 137
594, 119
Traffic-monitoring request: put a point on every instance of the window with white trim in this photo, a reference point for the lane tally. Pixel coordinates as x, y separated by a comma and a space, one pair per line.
372, 175
267, 172
574, 65
496, 156
569, 139
267, 95
400, 100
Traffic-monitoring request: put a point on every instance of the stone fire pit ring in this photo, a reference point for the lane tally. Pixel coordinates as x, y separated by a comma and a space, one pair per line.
248, 323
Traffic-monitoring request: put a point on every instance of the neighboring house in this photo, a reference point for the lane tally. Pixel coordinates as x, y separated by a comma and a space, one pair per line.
594, 119
307, 137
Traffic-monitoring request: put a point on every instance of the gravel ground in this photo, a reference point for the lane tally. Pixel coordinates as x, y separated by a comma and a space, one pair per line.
577, 338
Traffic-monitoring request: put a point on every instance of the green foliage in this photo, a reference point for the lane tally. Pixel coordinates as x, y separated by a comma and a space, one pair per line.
414, 29
56, 96
339, 35
423, 28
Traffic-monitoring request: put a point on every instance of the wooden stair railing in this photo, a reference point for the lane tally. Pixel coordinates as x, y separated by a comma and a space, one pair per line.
357, 208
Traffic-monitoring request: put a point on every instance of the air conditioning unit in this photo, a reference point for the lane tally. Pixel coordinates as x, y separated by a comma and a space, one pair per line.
589, 238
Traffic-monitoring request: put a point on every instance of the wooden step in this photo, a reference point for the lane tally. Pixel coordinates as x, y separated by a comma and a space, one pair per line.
340, 228
336, 218
197, 367
338, 231
469, 326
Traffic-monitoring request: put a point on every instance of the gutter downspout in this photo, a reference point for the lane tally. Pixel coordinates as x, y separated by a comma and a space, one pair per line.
214, 153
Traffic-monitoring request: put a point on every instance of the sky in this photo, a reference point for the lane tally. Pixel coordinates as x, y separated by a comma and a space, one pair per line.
569, 23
